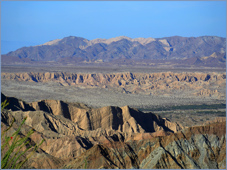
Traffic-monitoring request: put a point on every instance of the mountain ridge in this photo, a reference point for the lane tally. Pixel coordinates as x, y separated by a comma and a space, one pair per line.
75, 50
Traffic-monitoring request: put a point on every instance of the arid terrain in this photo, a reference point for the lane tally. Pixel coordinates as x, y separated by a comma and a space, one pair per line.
142, 88
175, 51
118, 117
119, 103
78, 136
164, 83
201, 86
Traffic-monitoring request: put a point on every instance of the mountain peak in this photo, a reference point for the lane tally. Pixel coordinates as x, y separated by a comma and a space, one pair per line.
53, 42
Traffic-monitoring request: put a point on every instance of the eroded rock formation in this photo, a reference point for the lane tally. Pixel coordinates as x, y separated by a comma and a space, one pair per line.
166, 83
84, 118
77, 136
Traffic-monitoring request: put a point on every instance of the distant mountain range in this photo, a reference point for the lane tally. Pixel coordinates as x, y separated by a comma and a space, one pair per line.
175, 51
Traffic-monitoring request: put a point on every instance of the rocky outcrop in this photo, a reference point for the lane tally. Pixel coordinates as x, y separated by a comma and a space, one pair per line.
193, 148
16, 104
216, 120
124, 119
191, 84
77, 136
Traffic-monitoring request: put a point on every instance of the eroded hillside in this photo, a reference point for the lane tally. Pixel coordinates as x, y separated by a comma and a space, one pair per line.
78, 136
166, 83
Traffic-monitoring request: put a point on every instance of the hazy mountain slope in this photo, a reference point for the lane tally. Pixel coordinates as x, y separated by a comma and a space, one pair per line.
79, 50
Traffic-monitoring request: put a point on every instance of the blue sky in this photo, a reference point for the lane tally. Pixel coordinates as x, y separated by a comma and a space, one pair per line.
25, 23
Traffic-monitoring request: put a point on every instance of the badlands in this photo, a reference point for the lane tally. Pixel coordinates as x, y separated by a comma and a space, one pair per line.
119, 118
103, 87
80, 137
144, 88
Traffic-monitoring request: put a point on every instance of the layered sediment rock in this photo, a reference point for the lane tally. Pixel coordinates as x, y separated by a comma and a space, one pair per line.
77, 136
84, 118
193, 84
193, 148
